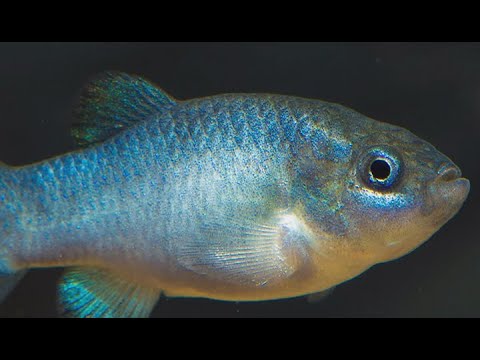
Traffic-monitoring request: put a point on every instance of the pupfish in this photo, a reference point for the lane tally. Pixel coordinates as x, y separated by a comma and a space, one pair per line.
239, 197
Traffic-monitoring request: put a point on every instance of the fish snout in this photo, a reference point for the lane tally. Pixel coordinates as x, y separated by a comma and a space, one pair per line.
450, 181
448, 191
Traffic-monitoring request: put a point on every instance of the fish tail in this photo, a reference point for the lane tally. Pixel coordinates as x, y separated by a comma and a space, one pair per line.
9, 277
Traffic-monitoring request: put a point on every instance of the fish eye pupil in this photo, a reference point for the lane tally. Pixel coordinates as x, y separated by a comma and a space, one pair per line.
380, 169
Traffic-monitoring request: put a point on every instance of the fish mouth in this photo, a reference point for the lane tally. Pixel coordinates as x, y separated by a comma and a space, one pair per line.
449, 191
448, 172
449, 176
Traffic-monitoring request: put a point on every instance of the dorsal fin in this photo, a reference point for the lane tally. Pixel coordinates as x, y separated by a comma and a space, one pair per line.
113, 101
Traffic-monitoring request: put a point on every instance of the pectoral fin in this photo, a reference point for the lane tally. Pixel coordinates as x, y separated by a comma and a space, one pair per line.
244, 252
85, 292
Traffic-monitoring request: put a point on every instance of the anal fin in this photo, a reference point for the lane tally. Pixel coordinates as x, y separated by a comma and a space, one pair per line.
86, 292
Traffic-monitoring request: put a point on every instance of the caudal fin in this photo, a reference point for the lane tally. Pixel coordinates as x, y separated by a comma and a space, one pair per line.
8, 276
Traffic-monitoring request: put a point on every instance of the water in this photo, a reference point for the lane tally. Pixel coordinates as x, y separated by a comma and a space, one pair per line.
431, 89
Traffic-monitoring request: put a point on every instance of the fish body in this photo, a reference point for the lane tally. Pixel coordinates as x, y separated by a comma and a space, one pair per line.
234, 197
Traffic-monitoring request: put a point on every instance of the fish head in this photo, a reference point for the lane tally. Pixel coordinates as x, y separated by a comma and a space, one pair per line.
391, 192
401, 190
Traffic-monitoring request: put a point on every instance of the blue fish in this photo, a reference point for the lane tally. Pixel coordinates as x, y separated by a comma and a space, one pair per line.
239, 197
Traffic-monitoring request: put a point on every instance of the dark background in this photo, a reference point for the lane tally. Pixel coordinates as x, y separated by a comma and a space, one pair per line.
433, 89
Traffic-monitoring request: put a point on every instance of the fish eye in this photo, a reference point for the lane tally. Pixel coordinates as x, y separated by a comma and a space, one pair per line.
381, 168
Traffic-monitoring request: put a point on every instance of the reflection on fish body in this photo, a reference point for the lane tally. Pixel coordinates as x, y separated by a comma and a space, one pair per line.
234, 197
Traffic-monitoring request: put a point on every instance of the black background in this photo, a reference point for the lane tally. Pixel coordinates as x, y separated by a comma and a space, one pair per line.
433, 89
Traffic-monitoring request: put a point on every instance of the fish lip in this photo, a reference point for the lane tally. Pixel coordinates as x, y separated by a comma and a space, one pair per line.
448, 172
461, 186
449, 177
448, 194
450, 182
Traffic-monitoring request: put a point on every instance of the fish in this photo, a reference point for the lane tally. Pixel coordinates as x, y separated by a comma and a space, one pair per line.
236, 197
